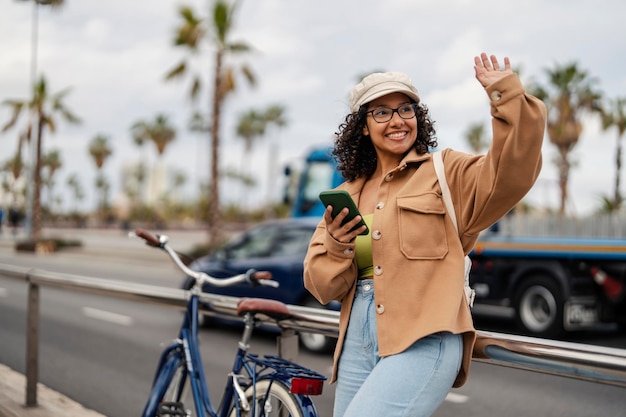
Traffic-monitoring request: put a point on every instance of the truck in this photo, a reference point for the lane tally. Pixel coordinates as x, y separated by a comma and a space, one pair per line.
548, 285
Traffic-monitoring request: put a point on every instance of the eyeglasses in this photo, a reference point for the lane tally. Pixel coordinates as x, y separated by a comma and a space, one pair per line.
384, 114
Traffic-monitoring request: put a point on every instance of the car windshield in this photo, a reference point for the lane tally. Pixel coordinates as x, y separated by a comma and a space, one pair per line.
292, 241
271, 240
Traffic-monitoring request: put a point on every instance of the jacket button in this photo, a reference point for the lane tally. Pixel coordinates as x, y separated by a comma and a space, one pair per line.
378, 270
348, 251
380, 205
496, 95
380, 309
388, 177
377, 235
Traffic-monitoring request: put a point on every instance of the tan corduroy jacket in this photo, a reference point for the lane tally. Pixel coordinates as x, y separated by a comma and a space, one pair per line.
417, 254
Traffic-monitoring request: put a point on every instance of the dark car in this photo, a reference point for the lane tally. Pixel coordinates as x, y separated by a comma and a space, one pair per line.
277, 246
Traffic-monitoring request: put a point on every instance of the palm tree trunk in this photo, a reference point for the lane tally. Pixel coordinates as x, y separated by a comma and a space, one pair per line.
563, 179
37, 215
214, 201
617, 197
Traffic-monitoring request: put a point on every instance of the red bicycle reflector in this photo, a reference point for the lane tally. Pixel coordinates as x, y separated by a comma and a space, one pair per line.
305, 386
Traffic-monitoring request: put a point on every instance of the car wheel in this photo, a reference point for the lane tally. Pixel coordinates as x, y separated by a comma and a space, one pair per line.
539, 307
203, 320
313, 342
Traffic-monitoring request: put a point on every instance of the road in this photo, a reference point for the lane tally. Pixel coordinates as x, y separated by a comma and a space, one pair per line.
102, 352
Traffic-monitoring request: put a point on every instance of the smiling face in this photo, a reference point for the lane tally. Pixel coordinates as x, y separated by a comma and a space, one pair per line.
395, 137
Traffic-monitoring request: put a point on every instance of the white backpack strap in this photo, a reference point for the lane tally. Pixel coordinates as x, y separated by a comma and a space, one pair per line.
447, 199
443, 183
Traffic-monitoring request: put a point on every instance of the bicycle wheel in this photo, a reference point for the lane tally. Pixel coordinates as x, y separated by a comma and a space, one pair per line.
280, 401
172, 390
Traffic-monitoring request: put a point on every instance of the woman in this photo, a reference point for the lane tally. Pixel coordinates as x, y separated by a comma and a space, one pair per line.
405, 329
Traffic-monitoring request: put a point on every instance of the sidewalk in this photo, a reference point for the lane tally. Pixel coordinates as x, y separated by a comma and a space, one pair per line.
49, 403
96, 242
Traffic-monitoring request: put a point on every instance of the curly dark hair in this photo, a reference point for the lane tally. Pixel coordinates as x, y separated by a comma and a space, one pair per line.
354, 151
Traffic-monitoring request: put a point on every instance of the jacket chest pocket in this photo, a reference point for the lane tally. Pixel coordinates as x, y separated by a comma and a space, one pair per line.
421, 226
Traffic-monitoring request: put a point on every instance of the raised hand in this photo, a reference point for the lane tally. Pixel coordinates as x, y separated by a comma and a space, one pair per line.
488, 69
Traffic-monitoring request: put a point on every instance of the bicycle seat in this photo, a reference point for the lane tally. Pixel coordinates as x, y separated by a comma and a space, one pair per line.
272, 308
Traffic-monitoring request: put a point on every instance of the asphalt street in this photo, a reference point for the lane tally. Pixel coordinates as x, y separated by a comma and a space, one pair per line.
112, 243
491, 389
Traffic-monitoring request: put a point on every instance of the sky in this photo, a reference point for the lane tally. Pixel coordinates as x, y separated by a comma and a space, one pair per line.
306, 55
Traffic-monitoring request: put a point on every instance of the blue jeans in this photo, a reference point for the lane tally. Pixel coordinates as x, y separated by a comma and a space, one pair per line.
412, 383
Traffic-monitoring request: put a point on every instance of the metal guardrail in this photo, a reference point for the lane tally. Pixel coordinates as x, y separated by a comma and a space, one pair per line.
580, 361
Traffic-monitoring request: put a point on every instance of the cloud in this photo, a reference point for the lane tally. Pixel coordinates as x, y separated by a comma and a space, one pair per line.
307, 56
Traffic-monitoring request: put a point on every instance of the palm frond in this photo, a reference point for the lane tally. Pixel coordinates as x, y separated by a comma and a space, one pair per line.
221, 21
177, 71
17, 107
238, 47
196, 87
248, 74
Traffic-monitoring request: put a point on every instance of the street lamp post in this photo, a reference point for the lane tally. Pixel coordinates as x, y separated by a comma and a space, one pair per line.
28, 221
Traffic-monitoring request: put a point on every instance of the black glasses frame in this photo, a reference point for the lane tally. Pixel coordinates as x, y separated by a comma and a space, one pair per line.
412, 105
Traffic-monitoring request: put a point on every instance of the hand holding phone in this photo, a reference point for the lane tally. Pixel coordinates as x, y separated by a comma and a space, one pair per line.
339, 199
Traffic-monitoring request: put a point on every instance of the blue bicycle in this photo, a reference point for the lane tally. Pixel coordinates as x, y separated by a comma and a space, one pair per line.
257, 386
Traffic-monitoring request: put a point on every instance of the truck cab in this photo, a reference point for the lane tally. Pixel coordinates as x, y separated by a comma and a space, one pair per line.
319, 174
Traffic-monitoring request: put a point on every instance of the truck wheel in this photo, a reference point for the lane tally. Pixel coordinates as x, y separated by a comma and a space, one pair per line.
539, 307
314, 342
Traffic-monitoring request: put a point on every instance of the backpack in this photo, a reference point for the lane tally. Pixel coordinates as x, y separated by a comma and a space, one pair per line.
470, 294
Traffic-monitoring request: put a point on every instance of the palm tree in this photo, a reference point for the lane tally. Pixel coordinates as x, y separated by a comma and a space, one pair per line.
615, 116
50, 164
43, 107
178, 181
476, 139
159, 132
273, 115
253, 126
100, 151
569, 95
103, 186
218, 30
77, 190
199, 123
13, 167
250, 127
607, 205
133, 184
51, 3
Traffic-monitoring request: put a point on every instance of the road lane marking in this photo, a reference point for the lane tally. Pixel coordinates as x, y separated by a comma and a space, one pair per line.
108, 316
456, 398
3, 292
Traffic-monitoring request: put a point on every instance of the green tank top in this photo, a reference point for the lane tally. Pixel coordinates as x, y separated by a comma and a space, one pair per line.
363, 250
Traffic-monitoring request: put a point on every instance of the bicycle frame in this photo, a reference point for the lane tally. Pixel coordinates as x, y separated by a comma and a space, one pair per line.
185, 348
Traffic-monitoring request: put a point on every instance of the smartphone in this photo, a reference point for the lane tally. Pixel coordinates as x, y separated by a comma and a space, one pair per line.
340, 199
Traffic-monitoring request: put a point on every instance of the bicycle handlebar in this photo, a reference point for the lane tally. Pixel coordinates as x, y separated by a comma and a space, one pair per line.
252, 276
